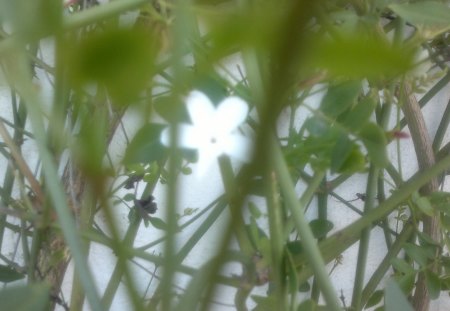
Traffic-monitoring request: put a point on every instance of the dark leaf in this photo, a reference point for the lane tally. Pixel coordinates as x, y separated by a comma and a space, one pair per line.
8, 274
145, 146
340, 97
34, 297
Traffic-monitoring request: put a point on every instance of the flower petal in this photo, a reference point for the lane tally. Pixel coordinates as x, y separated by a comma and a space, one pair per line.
200, 109
188, 137
239, 147
230, 113
206, 156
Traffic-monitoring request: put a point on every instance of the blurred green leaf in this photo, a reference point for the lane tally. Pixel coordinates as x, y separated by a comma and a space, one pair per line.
407, 282
316, 126
158, 223
355, 162
32, 19
145, 146
91, 145
375, 141
170, 110
374, 299
402, 266
394, 299
34, 297
340, 97
424, 205
8, 274
433, 284
122, 60
341, 151
431, 16
320, 227
355, 56
358, 115
419, 254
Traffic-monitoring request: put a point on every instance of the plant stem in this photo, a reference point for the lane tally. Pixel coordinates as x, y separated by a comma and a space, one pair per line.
426, 159
365, 238
308, 241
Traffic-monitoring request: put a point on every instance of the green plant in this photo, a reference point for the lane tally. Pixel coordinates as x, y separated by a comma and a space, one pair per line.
166, 58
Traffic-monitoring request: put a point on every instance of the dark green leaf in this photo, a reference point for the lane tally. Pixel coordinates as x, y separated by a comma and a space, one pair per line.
34, 297
170, 109
360, 56
394, 299
374, 299
122, 60
145, 146
420, 254
358, 115
355, 161
375, 142
407, 282
304, 287
320, 227
340, 152
340, 97
7, 274
402, 266
433, 284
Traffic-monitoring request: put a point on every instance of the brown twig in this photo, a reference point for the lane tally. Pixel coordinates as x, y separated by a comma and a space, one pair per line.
426, 159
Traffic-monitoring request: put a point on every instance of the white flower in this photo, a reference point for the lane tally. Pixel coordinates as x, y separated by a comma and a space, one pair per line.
214, 131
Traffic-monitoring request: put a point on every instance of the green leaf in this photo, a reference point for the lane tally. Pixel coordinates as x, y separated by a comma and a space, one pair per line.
432, 16
340, 97
122, 60
170, 109
32, 19
317, 127
304, 287
145, 146
358, 115
423, 204
8, 274
420, 254
356, 56
254, 210
375, 142
129, 197
407, 282
374, 299
158, 223
402, 266
34, 297
394, 299
320, 227
433, 284
355, 162
341, 151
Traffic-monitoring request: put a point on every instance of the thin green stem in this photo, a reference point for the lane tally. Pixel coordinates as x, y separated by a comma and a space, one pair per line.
308, 241
364, 241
